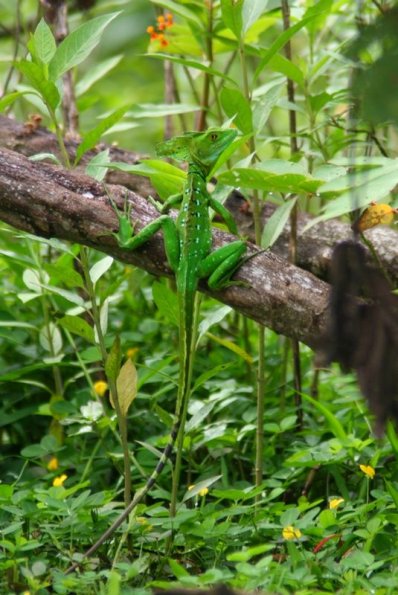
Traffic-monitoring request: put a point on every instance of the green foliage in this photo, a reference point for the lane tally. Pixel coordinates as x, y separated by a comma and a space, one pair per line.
318, 523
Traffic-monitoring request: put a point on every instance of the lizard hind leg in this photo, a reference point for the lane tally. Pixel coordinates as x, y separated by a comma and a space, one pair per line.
220, 265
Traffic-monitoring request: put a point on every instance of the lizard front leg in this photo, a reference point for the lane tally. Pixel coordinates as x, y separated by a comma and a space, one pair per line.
130, 241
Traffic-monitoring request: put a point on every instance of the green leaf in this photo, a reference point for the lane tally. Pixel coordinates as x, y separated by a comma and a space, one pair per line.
180, 9
249, 553
280, 42
236, 106
78, 45
113, 361
166, 301
359, 189
192, 64
332, 420
10, 98
166, 178
77, 326
159, 110
228, 344
279, 63
266, 176
97, 166
276, 223
37, 78
44, 42
91, 138
251, 12
231, 11
96, 73
177, 569
100, 268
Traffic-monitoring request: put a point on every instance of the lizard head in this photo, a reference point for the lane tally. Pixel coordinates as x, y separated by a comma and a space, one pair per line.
202, 148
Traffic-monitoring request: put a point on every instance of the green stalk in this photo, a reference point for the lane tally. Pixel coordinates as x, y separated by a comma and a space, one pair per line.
260, 377
121, 420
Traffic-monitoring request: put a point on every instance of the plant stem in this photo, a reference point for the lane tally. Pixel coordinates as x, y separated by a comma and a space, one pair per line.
121, 419
293, 215
260, 377
204, 105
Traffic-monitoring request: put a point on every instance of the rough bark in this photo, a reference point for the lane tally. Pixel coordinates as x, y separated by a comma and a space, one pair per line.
49, 201
314, 248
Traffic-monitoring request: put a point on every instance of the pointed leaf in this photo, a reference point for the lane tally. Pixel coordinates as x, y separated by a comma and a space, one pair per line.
251, 12
276, 223
113, 361
100, 268
166, 301
91, 138
235, 104
232, 15
36, 77
44, 42
78, 45
77, 326
97, 166
126, 386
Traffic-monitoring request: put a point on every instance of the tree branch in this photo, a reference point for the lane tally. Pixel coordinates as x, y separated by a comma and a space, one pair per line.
49, 201
314, 247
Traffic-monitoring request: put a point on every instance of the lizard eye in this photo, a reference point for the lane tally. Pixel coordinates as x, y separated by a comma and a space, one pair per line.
214, 136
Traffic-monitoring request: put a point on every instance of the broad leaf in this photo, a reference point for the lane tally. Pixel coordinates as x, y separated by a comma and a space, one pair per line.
44, 42
166, 301
126, 386
276, 223
280, 43
100, 268
36, 77
78, 45
272, 176
232, 15
77, 326
91, 138
97, 166
235, 104
251, 12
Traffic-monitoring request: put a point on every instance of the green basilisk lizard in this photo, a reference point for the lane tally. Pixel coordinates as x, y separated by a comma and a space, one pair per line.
188, 245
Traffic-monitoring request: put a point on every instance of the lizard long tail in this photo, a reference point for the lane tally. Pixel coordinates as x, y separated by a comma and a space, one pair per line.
186, 333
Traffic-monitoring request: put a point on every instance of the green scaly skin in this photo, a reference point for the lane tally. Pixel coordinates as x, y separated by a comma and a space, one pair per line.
188, 243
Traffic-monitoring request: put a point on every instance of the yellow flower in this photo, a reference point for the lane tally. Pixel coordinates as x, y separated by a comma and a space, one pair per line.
100, 387
52, 464
58, 481
335, 503
368, 470
201, 492
289, 533
131, 352
25, 593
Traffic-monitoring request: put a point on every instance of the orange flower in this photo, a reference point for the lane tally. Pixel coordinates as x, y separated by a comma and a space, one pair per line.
163, 22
